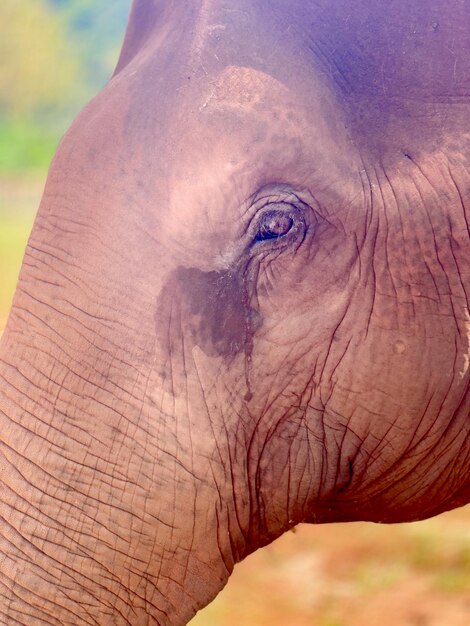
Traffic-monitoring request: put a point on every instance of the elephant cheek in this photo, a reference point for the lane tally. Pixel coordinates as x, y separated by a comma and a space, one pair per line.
210, 310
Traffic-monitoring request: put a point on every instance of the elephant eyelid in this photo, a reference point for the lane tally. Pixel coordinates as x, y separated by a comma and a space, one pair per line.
277, 223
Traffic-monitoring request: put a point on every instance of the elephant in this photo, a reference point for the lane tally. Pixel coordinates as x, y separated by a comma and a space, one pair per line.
244, 304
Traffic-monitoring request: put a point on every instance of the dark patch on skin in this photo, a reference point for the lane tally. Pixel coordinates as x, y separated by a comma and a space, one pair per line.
219, 303
212, 310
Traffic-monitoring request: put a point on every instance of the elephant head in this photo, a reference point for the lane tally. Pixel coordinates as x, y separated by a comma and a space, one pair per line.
244, 304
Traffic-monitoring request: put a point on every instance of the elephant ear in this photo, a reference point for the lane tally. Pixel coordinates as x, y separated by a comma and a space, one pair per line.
145, 16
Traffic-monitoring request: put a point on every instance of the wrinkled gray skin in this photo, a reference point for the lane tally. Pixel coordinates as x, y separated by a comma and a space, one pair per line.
244, 304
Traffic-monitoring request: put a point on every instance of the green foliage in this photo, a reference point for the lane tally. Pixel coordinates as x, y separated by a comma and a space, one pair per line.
26, 145
37, 69
13, 236
96, 28
448, 560
19, 198
54, 56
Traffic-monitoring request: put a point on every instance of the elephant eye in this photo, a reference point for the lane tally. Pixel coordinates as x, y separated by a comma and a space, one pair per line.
274, 224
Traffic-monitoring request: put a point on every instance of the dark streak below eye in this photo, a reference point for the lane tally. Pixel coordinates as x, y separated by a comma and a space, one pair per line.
209, 309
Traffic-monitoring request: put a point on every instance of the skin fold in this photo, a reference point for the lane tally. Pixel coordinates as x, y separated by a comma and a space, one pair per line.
244, 304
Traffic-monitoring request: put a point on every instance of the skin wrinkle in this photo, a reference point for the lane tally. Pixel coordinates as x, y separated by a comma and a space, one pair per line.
80, 430
411, 472
26, 560
111, 348
410, 450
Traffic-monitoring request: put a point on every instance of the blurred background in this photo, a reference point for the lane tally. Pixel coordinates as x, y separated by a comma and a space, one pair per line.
54, 55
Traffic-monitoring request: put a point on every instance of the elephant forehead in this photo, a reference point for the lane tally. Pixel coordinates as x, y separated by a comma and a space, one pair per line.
243, 87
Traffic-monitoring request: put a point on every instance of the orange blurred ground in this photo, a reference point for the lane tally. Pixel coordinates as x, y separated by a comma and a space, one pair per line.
354, 575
